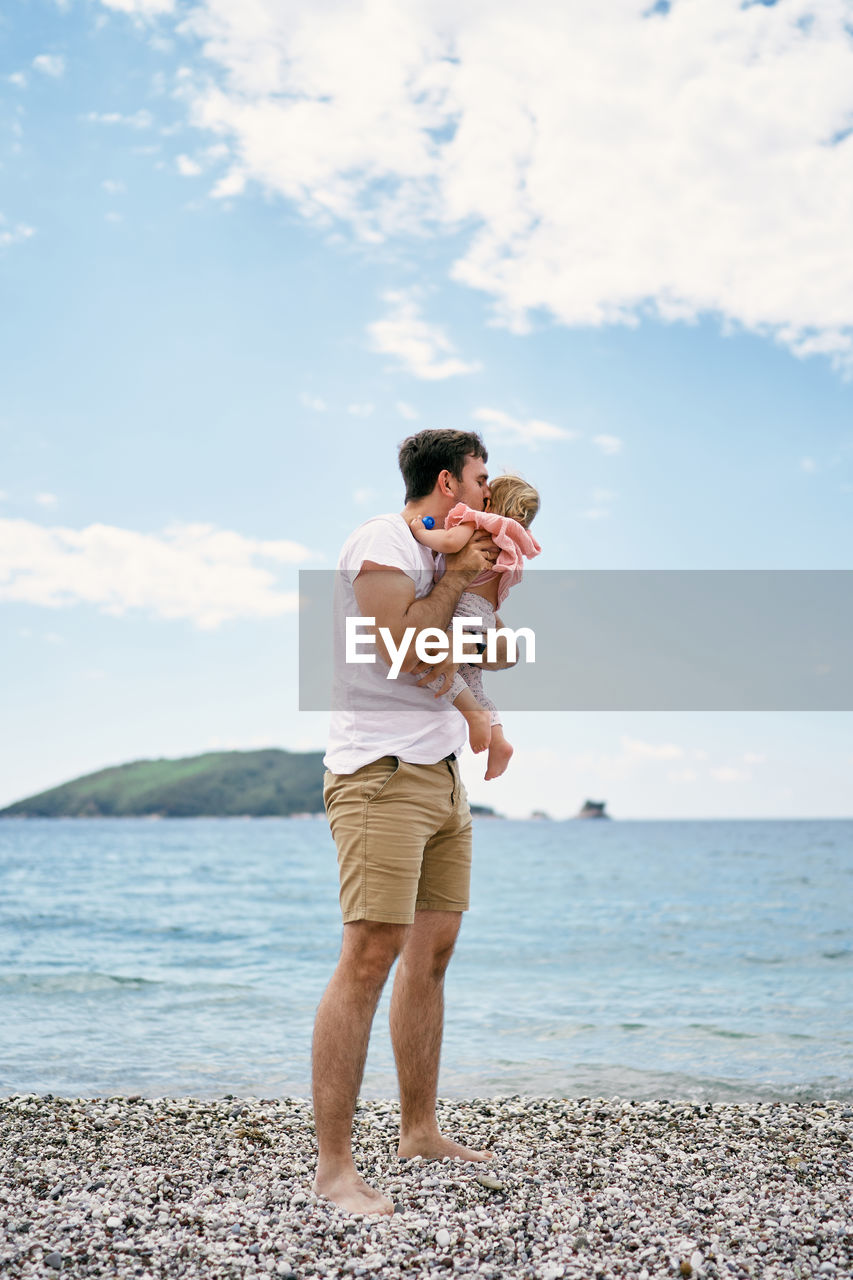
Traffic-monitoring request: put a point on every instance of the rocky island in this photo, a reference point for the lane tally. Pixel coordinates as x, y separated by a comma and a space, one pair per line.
592, 809
270, 783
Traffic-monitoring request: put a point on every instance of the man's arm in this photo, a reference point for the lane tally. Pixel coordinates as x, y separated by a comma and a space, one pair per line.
388, 595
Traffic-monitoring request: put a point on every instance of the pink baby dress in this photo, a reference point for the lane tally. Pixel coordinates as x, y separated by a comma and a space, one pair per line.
514, 540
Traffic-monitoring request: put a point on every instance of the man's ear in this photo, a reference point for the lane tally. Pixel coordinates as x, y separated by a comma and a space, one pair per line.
444, 478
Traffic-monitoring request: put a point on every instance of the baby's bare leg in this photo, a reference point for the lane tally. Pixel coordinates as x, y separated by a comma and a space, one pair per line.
500, 752
479, 720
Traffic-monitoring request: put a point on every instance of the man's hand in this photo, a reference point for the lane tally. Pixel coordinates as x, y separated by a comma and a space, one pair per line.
444, 671
478, 554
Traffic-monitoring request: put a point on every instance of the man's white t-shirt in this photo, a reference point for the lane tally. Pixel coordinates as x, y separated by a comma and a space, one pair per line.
373, 716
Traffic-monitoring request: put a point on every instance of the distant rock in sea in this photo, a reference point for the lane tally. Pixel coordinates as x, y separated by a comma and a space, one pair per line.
592, 809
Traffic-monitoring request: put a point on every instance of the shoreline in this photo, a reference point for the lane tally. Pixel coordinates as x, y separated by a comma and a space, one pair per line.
152, 1187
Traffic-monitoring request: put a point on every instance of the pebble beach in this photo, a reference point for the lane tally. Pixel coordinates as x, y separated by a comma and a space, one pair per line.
581, 1187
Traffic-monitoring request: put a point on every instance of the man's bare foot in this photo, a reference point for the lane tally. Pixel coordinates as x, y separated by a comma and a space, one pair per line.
500, 753
436, 1147
352, 1194
479, 729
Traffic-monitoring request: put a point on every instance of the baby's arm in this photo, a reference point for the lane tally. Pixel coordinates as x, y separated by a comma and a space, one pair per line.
446, 540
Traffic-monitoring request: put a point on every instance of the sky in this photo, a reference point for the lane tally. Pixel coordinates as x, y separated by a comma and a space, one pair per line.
246, 249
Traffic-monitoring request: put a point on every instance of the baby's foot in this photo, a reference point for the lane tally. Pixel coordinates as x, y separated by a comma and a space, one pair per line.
500, 752
479, 730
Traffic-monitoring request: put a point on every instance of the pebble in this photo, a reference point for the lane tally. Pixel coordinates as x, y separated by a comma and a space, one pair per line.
489, 1181
577, 1188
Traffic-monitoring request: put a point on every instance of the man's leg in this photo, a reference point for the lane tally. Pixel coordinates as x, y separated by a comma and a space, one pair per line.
417, 1023
341, 1034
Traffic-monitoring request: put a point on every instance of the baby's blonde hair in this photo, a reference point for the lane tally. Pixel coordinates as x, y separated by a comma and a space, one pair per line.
513, 497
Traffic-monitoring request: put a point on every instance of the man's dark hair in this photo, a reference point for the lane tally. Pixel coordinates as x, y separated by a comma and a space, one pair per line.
424, 456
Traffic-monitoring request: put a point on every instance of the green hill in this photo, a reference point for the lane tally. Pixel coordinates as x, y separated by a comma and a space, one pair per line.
219, 784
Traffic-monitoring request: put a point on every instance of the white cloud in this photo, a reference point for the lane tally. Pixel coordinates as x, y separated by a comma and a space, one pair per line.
808, 464
315, 403
139, 120
423, 349
597, 162
232, 184
192, 571
407, 411
603, 495
50, 64
188, 167
140, 8
754, 757
46, 499
725, 773
113, 187
18, 79
651, 750
252, 742
15, 235
361, 410
51, 637
529, 431
594, 513
608, 444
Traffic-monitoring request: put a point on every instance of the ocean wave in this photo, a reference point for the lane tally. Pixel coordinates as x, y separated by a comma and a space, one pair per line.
87, 980
78, 981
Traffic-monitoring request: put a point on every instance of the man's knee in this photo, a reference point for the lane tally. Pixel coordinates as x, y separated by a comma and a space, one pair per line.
431, 943
441, 955
370, 948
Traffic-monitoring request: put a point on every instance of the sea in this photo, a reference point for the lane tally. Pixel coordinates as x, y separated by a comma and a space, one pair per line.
701, 960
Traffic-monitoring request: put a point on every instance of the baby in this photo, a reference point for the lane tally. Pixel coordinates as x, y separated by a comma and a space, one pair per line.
512, 505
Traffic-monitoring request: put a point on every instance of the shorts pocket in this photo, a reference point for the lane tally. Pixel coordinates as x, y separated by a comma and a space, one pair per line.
380, 774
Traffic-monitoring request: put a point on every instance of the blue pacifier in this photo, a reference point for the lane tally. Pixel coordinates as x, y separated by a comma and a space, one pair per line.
429, 522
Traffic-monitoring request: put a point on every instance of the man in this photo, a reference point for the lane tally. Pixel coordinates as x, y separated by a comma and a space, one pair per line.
399, 816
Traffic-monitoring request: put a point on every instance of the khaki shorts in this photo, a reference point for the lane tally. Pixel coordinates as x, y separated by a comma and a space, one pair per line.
403, 833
